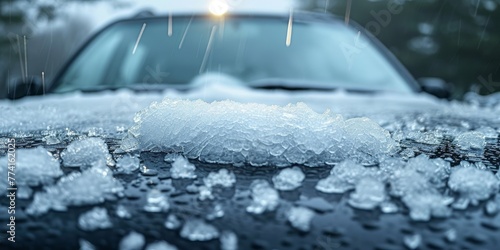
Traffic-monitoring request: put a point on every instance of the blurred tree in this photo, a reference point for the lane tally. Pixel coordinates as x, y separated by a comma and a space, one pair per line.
457, 40
40, 23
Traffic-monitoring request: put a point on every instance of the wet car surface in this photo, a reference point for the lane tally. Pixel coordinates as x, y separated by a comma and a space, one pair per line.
335, 225
378, 171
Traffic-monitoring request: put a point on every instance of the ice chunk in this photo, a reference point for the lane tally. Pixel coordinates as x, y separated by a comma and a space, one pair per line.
289, 179
388, 207
33, 167
205, 193
97, 218
91, 186
122, 212
182, 168
198, 230
431, 138
343, 177
160, 245
491, 207
419, 195
369, 194
412, 241
127, 164
216, 212
473, 184
333, 184
129, 144
228, 241
147, 171
156, 202
264, 197
132, 241
407, 181
424, 205
350, 171
86, 152
300, 218
172, 222
24, 192
470, 141
223, 178
85, 245
436, 171
171, 157
450, 235
257, 134
488, 132
51, 138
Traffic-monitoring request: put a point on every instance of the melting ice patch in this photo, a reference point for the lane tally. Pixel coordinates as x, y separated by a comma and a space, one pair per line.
228, 132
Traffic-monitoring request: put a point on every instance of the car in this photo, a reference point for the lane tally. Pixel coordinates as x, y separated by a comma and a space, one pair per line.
316, 51
234, 130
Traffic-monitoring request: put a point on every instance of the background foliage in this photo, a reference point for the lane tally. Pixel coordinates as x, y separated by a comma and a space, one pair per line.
457, 40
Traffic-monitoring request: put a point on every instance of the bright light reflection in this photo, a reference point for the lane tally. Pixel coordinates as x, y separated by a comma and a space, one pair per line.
218, 7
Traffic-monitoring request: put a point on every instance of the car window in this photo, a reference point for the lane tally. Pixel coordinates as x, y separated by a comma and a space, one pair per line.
251, 49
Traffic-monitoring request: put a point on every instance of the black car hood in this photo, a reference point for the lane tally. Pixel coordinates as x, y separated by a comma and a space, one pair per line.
384, 140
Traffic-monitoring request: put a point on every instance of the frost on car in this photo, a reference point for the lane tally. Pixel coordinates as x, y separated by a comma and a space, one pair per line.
240, 158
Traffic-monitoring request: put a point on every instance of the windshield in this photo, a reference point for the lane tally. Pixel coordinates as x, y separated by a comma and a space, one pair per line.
254, 50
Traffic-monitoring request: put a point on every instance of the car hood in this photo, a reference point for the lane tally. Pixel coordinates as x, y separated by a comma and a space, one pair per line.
216, 165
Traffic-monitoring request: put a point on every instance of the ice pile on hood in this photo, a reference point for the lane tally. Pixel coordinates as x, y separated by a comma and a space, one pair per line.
229, 132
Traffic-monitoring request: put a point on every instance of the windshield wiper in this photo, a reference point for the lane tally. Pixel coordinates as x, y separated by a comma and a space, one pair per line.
290, 88
142, 87
301, 85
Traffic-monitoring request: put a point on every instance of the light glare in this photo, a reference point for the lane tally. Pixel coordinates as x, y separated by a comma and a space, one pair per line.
218, 7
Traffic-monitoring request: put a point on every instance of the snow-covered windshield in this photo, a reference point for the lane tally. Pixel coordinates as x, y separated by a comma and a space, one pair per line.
255, 50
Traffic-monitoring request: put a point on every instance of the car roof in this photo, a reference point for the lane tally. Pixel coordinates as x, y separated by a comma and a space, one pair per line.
160, 7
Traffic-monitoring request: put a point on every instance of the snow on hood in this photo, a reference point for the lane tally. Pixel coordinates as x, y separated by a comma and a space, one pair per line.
112, 113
